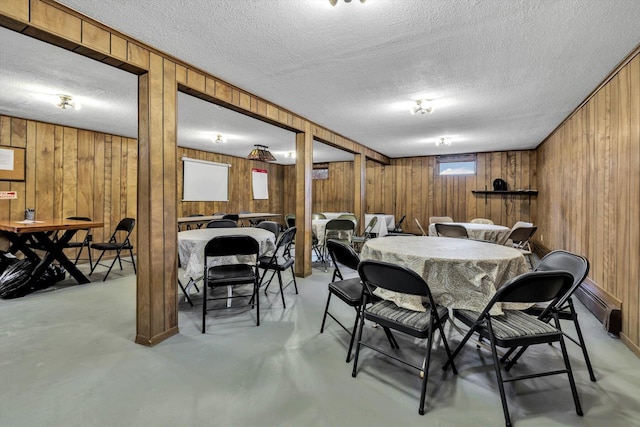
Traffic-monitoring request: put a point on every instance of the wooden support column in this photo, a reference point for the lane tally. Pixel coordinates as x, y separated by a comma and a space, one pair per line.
156, 311
304, 167
359, 186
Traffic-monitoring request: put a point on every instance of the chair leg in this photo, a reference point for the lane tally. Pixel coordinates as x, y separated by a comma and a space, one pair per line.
293, 275
459, 347
281, 291
391, 338
446, 347
496, 365
425, 370
111, 266
326, 310
354, 372
353, 336
204, 307
96, 263
582, 344
133, 261
256, 291
567, 364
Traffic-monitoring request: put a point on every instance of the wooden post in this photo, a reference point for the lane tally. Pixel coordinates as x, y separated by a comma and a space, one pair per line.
304, 168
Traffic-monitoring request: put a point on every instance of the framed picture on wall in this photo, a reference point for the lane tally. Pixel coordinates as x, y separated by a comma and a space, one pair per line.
12, 166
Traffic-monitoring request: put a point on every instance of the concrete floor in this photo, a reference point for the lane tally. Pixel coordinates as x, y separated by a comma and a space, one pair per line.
67, 358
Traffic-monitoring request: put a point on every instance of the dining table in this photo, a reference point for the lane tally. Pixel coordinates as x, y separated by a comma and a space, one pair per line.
191, 244
461, 273
487, 232
384, 224
47, 235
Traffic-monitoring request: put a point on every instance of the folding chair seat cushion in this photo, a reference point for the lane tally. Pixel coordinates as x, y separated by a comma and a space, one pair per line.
415, 323
513, 324
348, 290
280, 263
108, 246
230, 274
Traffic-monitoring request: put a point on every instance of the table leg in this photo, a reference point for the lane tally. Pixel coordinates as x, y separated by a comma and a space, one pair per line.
19, 244
54, 252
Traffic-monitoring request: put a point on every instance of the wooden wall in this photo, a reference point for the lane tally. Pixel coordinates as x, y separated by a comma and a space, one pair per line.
589, 182
71, 172
411, 186
240, 192
335, 194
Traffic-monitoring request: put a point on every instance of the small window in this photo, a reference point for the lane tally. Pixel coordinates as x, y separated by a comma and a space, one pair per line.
456, 165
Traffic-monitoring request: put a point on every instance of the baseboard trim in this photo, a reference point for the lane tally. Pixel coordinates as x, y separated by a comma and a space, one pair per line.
603, 305
151, 341
632, 346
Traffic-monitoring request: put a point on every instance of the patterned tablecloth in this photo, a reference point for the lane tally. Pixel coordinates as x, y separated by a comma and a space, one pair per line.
461, 273
488, 232
191, 245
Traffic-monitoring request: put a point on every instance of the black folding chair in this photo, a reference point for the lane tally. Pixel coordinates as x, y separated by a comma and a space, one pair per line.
231, 274
271, 226
123, 231
222, 223
387, 314
578, 266
84, 243
516, 328
279, 261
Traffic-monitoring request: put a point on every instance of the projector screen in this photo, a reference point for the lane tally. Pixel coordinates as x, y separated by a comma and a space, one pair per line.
205, 181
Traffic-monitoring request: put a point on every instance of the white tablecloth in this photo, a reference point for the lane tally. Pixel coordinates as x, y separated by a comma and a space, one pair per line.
385, 223
488, 232
191, 245
461, 273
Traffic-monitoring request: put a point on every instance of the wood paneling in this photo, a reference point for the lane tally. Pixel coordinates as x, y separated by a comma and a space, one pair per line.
240, 194
411, 186
67, 172
335, 194
589, 180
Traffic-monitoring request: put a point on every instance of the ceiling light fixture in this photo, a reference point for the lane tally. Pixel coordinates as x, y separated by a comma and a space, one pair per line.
423, 106
442, 142
261, 152
220, 139
334, 2
66, 102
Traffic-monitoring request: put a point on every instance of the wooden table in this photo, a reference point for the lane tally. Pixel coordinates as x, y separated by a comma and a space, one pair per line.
199, 220
20, 232
461, 273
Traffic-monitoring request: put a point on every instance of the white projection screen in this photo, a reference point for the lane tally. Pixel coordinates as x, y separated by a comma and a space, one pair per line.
205, 181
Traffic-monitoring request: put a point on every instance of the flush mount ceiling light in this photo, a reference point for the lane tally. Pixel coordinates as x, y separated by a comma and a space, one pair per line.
423, 106
66, 102
220, 139
442, 142
334, 2
261, 152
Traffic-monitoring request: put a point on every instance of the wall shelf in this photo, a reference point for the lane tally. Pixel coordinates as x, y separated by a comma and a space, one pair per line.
506, 193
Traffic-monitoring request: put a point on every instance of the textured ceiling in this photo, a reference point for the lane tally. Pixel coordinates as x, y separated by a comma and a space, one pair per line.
501, 74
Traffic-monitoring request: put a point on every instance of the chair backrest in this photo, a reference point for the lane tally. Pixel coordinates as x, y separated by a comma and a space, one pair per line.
534, 287
222, 223
394, 278
351, 217
283, 244
369, 228
231, 245
318, 216
577, 265
452, 230
521, 224
125, 225
272, 226
342, 229
398, 226
342, 254
420, 227
433, 219
290, 219
232, 217
481, 221
521, 235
